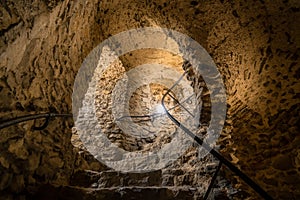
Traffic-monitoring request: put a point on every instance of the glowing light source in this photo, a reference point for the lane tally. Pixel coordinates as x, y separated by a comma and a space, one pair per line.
160, 109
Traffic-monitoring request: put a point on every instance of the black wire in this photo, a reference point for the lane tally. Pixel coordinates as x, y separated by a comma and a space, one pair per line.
46, 123
180, 104
216, 154
213, 179
155, 115
223, 160
24, 118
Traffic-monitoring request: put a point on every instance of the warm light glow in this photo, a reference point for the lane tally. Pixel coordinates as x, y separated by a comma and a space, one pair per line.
160, 109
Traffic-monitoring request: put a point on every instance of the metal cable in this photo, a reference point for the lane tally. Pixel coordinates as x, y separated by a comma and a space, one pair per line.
222, 159
156, 115
212, 182
17, 120
216, 154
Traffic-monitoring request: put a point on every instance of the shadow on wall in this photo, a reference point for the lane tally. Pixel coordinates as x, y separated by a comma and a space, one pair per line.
256, 46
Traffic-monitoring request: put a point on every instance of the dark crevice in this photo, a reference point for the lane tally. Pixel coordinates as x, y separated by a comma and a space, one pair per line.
11, 26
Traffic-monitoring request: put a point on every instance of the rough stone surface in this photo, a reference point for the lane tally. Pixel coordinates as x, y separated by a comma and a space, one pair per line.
255, 44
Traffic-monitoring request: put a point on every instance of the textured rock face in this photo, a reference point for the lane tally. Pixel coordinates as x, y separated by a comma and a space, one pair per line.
256, 46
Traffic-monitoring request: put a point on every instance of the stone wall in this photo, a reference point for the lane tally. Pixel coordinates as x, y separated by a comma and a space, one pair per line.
255, 45
42, 47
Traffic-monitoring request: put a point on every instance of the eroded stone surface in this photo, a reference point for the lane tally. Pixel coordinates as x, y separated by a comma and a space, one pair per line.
254, 44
